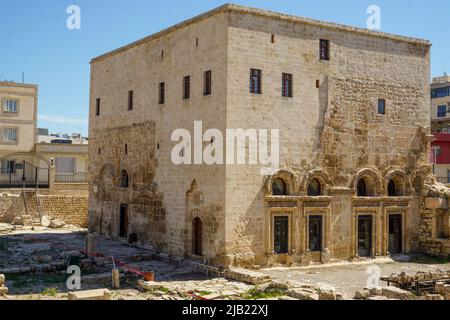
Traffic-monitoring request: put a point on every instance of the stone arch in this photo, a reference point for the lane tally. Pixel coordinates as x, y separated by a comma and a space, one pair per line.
321, 177
397, 183
287, 177
371, 179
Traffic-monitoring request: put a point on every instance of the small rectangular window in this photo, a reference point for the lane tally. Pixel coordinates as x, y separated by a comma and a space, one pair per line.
324, 49
255, 81
187, 87
281, 234
130, 100
97, 107
162, 88
286, 85
381, 106
442, 111
315, 233
8, 166
207, 83
10, 106
10, 135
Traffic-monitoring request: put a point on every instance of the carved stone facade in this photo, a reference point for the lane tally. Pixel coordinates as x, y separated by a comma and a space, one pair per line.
350, 175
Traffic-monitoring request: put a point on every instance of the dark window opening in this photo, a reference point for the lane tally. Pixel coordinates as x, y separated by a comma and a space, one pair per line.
124, 179
255, 81
392, 192
123, 221
381, 106
197, 237
207, 83
97, 107
187, 87
362, 188
162, 54
324, 49
317, 84
130, 100
442, 111
279, 187
273, 38
196, 42
286, 85
395, 234
281, 234
314, 188
365, 236
315, 233
126, 148
162, 88
99, 151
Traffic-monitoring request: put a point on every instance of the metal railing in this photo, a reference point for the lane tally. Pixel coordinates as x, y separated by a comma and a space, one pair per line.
24, 175
77, 177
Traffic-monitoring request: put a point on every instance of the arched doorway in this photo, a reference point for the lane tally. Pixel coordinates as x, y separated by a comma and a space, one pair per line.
197, 237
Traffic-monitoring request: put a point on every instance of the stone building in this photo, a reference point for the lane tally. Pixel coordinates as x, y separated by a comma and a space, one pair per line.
37, 177
440, 104
352, 109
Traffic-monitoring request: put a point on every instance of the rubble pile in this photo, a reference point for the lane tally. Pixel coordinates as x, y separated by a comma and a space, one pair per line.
404, 280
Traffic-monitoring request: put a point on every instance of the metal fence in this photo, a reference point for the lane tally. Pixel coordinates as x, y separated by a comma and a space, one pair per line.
77, 177
24, 174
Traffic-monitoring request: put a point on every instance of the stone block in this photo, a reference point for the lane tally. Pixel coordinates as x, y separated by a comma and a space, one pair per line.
97, 294
303, 294
149, 285
434, 297
362, 294
2, 280
436, 203
396, 293
3, 291
247, 276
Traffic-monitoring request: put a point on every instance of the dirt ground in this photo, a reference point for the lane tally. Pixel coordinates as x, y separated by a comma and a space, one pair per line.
35, 265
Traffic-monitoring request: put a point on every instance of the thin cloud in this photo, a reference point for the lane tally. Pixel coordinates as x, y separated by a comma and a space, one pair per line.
61, 119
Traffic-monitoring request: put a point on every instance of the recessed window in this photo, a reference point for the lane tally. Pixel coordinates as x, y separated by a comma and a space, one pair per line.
324, 49
315, 233
442, 111
437, 151
10, 134
314, 188
130, 100
286, 85
124, 179
97, 107
196, 42
255, 81
10, 106
162, 54
440, 92
281, 234
273, 38
381, 106
279, 187
186, 87
162, 88
126, 148
99, 151
207, 83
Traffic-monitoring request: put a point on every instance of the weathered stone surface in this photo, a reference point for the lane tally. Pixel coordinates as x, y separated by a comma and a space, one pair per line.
56, 224
149, 285
2, 280
3, 291
304, 294
247, 276
434, 297
327, 293
396, 293
436, 203
362, 294
45, 221
98, 294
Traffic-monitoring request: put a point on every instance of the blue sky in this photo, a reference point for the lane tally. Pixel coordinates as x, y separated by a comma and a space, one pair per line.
35, 38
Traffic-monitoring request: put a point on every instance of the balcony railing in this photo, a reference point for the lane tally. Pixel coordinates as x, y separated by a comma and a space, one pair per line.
77, 177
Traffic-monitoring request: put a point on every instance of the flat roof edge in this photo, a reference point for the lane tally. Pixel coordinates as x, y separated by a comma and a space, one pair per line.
269, 14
